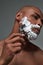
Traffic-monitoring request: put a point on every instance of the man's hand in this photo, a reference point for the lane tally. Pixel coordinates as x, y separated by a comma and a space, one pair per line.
12, 45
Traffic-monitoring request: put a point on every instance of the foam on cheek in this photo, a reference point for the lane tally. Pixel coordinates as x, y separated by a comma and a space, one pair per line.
27, 28
25, 21
35, 26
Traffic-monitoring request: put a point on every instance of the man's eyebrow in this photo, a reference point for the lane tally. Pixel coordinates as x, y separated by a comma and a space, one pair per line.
38, 15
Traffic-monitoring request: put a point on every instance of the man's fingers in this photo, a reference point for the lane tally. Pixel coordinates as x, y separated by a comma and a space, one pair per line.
14, 45
16, 49
16, 39
14, 35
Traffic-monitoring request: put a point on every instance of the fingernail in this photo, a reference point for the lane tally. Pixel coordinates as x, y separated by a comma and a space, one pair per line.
23, 35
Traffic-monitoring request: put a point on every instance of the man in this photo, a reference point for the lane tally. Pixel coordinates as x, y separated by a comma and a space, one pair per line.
17, 48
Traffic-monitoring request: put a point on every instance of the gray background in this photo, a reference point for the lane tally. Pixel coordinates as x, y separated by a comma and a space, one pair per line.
8, 9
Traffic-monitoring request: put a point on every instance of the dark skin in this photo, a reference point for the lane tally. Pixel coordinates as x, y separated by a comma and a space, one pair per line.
18, 49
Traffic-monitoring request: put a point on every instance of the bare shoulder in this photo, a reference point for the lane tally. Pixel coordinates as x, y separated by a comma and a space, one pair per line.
39, 57
38, 54
1, 46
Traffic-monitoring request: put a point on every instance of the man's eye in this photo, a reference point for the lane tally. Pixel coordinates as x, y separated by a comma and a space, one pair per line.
42, 21
35, 17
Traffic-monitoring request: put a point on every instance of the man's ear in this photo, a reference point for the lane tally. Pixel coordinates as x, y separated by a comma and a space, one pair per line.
19, 16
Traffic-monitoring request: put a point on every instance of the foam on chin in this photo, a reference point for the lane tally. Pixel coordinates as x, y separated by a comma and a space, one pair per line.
27, 28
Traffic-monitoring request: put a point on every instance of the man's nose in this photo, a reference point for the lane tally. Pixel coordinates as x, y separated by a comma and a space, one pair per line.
39, 22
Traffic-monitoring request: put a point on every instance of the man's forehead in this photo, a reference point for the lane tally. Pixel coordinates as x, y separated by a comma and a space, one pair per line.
25, 8
33, 10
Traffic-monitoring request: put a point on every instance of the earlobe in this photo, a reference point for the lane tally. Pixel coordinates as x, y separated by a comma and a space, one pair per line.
18, 16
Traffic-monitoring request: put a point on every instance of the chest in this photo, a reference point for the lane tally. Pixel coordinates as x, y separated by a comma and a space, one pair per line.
24, 58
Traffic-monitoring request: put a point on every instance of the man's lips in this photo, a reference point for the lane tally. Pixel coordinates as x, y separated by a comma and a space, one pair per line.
36, 30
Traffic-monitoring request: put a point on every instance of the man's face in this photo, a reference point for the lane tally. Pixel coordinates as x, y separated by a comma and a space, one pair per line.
35, 17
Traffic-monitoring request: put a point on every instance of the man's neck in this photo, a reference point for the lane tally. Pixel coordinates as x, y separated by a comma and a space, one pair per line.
30, 47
